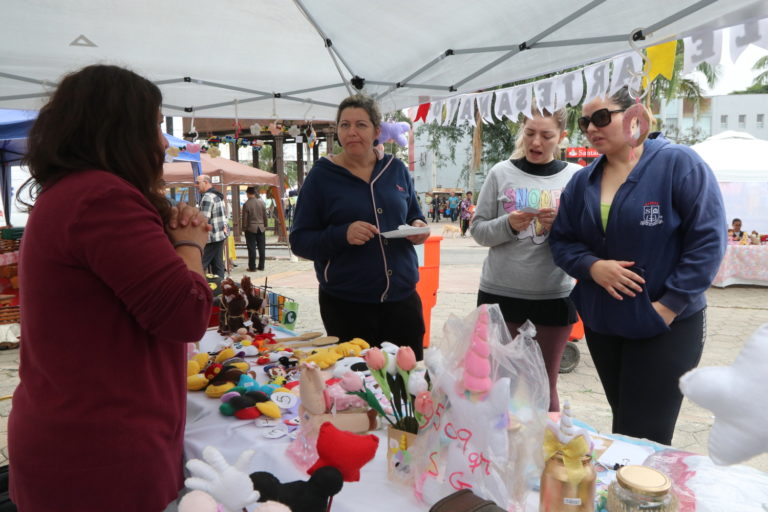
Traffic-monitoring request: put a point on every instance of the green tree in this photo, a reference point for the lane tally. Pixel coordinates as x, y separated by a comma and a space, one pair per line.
663, 89
266, 162
761, 65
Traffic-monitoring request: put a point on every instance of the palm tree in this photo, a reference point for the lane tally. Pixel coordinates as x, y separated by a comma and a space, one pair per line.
680, 87
761, 65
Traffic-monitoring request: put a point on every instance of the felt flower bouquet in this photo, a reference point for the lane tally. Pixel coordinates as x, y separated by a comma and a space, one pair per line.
405, 387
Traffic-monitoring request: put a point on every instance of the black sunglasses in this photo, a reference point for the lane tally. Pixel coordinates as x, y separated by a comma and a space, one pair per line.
599, 118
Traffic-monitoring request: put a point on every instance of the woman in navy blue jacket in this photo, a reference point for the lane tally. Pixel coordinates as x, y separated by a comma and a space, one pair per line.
643, 231
367, 282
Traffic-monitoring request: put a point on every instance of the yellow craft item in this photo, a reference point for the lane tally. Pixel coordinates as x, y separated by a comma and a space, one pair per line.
572, 452
217, 391
360, 342
227, 353
243, 366
269, 409
324, 358
193, 368
196, 382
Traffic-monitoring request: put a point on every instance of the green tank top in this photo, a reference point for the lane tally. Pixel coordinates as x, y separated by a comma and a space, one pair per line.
605, 209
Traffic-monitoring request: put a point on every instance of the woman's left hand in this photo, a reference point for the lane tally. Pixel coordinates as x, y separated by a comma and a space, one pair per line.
546, 217
664, 312
418, 239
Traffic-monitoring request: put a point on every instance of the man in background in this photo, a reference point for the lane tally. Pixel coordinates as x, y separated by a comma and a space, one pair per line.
212, 206
254, 227
453, 204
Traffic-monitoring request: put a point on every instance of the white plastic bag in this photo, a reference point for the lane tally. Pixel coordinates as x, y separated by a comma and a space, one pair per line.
702, 486
488, 439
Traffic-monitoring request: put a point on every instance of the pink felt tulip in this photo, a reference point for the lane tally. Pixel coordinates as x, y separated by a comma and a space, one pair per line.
375, 359
406, 359
423, 404
351, 381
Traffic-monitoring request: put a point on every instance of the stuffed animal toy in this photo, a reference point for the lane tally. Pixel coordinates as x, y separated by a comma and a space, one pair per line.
199, 501
255, 302
322, 357
394, 131
202, 368
346, 451
340, 400
300, 496
233, 305
229, 487
736, 395
247, 405
328, 356
354, 364
316, 407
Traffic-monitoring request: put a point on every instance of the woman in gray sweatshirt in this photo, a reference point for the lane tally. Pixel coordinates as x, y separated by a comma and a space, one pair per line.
514, 213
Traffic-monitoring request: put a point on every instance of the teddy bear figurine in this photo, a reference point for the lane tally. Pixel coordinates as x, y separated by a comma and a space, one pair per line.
233, 306
255, 302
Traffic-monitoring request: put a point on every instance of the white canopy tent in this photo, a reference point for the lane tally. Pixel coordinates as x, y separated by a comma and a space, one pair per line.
740, 163
297, 59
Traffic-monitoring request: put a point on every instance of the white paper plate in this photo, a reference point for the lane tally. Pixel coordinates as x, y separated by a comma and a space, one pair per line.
403, 232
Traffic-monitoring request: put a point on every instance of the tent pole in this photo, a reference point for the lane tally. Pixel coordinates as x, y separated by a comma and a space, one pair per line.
282, 234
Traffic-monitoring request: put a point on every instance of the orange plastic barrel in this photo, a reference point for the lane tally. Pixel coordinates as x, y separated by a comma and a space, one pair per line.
429, 280
577, 332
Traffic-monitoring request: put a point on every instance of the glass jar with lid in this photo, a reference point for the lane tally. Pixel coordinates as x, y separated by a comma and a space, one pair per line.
641, 489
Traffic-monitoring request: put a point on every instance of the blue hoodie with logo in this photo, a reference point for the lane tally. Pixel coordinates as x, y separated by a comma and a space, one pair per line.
332, 198
668, 217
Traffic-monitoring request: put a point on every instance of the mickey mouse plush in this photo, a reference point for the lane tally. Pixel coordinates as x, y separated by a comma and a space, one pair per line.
300, 496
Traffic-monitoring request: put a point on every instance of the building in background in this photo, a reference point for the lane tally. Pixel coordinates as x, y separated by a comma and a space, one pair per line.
682, 121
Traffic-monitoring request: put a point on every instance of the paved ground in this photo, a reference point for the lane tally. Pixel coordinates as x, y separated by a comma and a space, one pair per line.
733, 314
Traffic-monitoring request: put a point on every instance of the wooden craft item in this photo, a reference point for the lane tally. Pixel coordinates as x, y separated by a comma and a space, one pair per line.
319, 342
301, 337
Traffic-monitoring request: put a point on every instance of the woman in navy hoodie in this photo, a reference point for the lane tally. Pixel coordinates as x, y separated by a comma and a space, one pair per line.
643, 231
367, 282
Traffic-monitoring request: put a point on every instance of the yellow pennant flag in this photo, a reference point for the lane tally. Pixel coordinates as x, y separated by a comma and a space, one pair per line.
661, 61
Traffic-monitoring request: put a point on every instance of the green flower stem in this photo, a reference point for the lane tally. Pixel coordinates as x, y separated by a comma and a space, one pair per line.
406, 395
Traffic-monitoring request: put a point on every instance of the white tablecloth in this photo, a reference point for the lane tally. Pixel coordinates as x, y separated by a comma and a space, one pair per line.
232, 436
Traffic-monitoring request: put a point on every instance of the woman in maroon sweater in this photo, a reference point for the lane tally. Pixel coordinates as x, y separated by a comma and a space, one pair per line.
112, 289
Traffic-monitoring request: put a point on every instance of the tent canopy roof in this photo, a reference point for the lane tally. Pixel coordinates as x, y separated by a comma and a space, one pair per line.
14, 126
735, 156
229, 172
295, 60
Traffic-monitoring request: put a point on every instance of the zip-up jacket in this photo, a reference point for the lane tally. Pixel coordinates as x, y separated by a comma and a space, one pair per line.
332, 198
668, 217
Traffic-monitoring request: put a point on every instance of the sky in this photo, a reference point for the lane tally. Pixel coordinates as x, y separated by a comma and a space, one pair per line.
736, 76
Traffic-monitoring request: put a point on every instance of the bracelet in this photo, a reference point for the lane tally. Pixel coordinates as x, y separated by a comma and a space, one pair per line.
189, 243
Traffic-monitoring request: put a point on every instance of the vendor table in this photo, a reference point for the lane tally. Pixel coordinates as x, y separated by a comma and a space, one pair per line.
206, 426
743, 264
374, 492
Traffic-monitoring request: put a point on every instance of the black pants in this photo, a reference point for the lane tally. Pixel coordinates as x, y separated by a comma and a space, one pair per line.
640, 376
464, 226
253, 240
401, 323
213, 257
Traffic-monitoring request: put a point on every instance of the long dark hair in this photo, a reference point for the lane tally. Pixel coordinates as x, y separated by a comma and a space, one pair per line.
101, 117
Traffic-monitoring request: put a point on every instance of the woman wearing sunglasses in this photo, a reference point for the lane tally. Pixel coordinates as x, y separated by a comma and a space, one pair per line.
643, 231
514, 214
